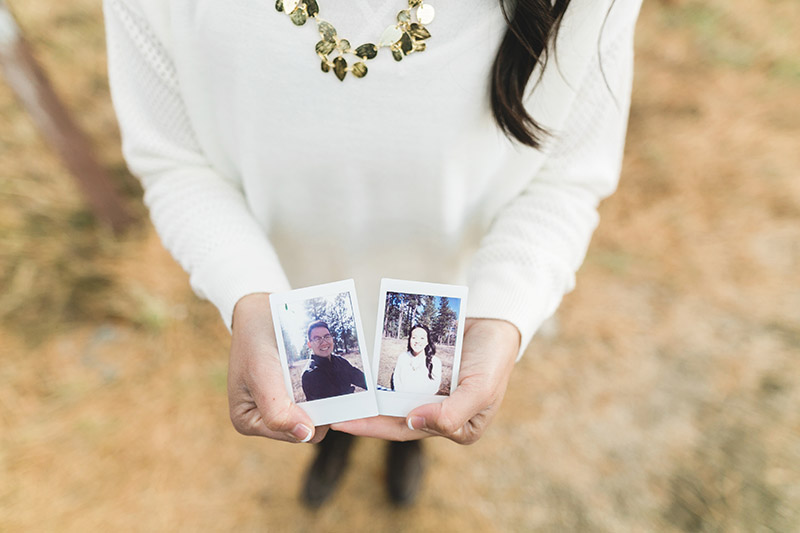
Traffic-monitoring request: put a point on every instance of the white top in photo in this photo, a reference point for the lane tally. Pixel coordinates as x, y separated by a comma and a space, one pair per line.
411, 374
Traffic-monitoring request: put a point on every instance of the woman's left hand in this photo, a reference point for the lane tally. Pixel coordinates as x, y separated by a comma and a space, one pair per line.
489, 351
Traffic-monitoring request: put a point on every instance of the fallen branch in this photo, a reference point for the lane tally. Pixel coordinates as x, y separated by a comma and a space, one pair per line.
31, 86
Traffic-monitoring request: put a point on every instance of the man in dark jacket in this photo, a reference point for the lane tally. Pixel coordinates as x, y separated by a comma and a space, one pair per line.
327, 374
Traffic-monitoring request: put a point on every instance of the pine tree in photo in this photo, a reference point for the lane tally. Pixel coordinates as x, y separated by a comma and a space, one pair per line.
317, 308
342, 323
391, 317
292, 353
413, 302
445, 323
429, 310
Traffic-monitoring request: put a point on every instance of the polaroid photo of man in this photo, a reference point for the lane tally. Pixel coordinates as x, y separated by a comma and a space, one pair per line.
418, 340
324, 358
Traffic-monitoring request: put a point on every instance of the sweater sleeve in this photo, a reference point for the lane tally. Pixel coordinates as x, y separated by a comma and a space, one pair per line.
528, 259
200, 214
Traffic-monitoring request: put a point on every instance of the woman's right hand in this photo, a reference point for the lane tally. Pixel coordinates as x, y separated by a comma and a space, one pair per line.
257, 398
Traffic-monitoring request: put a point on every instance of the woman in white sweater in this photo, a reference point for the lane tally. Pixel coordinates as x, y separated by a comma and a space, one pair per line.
418, 370
470, 147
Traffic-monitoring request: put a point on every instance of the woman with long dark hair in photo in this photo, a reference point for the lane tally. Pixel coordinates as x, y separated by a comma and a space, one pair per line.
418, 370
284, 144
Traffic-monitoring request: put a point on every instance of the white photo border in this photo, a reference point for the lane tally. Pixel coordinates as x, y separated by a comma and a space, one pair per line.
338, 408
392, 403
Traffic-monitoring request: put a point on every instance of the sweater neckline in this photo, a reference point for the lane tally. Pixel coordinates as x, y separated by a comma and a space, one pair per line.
379, 14
414, 358
377, 11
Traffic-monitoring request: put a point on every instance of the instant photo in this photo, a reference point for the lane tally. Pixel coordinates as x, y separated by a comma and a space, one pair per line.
418, 340
321, 344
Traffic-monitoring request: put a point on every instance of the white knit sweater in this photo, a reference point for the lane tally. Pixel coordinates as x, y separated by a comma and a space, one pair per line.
263, 173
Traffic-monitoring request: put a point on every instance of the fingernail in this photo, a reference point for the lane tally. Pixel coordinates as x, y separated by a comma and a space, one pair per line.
416, 422
302, 433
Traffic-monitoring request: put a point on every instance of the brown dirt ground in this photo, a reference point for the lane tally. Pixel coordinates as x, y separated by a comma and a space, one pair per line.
667, 399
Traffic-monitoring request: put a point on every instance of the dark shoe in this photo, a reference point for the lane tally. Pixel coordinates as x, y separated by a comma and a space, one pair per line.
325, 472
404, 470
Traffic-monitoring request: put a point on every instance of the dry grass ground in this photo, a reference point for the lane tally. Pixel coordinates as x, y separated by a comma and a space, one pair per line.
669, 400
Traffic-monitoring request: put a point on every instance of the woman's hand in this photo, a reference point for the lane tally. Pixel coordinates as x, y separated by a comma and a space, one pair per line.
489, 351
257, 397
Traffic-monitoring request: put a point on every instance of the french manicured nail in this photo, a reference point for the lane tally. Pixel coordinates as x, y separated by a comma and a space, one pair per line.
416, 422
302, 433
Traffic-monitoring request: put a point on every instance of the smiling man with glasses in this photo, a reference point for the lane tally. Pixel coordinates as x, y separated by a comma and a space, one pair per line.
327, 374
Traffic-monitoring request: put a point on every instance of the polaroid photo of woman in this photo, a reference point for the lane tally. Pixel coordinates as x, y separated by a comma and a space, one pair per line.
417, 354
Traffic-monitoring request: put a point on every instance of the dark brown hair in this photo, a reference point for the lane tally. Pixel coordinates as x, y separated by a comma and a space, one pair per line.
317, 324
532, 26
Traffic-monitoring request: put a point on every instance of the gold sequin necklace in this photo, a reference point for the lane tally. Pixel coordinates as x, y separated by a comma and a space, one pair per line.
403, 38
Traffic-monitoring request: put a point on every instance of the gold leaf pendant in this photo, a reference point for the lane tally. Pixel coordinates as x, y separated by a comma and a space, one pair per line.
404, 37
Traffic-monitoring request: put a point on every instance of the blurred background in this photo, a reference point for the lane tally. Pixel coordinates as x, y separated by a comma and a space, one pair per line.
667, 398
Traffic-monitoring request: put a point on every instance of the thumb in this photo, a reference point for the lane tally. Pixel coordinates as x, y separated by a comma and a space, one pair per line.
276, 416
451, 417
257, 395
